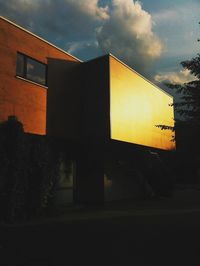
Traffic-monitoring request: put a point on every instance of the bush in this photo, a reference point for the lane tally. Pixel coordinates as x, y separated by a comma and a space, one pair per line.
27, 172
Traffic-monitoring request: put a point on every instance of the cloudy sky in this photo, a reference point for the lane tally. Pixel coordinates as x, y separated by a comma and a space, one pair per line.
151, 36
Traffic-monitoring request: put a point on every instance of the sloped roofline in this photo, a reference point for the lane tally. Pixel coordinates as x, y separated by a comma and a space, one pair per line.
131, 69
109, 54
38, 37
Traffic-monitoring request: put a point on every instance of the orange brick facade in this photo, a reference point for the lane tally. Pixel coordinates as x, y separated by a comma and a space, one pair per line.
18, 97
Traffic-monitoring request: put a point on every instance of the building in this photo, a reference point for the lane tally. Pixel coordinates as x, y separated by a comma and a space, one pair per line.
23, 75
109, 109
104, 107
108, 100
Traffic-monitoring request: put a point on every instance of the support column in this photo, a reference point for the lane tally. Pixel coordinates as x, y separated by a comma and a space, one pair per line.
89, 180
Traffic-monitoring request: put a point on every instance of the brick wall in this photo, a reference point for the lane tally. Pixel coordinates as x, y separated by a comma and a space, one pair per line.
18, 97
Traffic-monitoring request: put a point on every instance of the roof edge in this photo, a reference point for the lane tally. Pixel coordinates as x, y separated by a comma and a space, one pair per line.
38, 37
140, 75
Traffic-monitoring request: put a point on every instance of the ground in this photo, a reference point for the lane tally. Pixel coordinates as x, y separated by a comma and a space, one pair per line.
130, 233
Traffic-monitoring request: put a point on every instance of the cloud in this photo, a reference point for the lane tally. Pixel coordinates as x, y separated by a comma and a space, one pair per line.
91, 8
181, 77
123, 27
128, 34
66, 19
85, 50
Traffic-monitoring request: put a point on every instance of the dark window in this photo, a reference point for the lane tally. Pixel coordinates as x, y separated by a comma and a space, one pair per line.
20, 65
31, 69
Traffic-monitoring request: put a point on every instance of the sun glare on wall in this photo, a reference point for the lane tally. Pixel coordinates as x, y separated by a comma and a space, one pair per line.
136, 107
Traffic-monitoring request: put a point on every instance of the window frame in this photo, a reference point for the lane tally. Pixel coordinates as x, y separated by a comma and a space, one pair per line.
24, 75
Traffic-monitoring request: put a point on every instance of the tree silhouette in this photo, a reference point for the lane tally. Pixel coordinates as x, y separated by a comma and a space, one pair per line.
187, 108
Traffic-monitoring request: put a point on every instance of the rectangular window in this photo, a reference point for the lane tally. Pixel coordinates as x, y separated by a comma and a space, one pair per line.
31, 69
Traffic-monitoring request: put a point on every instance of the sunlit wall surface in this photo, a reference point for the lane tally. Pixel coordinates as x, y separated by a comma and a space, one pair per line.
136, 107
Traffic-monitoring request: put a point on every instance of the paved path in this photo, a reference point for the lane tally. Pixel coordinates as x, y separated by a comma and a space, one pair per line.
124, 234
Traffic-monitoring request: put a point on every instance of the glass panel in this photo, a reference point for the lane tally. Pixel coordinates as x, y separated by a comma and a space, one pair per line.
36, 71
136, 107
20, 65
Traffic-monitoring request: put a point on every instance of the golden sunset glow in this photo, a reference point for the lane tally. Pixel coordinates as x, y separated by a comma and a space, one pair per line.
136, 107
